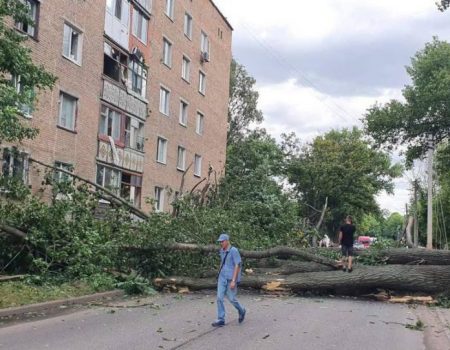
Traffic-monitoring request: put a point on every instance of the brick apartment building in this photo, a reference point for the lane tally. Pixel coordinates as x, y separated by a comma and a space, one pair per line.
142, 93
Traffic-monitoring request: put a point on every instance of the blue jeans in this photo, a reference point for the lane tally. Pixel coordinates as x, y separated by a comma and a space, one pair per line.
223, 288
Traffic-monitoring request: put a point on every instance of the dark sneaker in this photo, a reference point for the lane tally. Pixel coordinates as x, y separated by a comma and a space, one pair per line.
350, 270
344, 269
218, 323
242, 316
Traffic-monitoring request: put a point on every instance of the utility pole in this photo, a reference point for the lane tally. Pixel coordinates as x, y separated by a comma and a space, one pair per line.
430, 197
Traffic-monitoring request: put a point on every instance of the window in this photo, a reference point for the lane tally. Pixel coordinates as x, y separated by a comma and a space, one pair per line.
30, 28
199, 124
161, 150
67, 111
118, 9
164, 101
108, 178
183, 113
198, 165
202, 83
115, 64
134, 133
15, 164
204, 43
138, 77
110, 123
181, 159
188, 25
167, 52
140, 26
131, 188
72, 43
159, 199
169, 8
186, 68
26, 94
61, 177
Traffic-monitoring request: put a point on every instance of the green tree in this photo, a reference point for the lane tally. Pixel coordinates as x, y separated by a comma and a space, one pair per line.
393, 225
425, 114
243, 104
342, 166
443, 5
251, 187
16, 64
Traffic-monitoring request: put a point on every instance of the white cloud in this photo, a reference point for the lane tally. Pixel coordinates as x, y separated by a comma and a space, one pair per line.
312, 21
287, 107
374, 32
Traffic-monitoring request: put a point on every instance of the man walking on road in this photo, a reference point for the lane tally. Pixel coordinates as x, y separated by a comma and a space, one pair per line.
346, 233
228, 277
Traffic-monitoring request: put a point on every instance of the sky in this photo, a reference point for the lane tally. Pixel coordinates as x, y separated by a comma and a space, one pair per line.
319, 65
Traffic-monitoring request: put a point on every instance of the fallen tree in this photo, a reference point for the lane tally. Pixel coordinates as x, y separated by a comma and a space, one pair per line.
426, 279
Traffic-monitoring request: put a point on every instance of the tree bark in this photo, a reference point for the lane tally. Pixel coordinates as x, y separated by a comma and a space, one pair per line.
12, 231
426, 279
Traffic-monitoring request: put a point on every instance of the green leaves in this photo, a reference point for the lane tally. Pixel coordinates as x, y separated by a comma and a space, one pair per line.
342, 166
425, 114
20, 78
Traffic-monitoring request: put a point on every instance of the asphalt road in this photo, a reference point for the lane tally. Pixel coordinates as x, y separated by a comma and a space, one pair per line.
183, 322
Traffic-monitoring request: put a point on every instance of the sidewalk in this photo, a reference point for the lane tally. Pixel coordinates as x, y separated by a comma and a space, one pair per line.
437, 326
31, 310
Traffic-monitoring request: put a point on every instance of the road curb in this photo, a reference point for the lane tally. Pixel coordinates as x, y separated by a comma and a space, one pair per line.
48, 305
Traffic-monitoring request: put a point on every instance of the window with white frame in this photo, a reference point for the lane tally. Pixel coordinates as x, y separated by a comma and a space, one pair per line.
164, 100
15, 164
161, 150
199, 123
181, 159
131, 188
33, 12
188, 25
115, 63
72, 43
26, 96
138, 75
167, 52
204, 43
118, 9
202, 83
108, 178
67, 111
186, 68
110, 123
134, 133
198, 165
183, 112
140, 25
159, 198
170, 4
62, 177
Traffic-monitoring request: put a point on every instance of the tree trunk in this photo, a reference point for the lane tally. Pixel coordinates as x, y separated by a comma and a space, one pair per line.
251, 254
408, 230
425, 279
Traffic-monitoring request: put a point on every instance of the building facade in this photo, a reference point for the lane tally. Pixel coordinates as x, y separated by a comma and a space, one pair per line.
141, 99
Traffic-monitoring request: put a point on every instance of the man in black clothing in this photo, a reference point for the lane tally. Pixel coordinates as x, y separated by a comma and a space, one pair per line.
346, 233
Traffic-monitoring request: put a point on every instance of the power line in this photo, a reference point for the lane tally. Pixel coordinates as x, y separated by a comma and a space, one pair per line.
284, 62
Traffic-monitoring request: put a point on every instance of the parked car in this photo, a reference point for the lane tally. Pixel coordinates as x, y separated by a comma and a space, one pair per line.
365, 240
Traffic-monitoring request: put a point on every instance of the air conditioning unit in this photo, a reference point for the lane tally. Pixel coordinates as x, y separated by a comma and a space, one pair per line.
205, 56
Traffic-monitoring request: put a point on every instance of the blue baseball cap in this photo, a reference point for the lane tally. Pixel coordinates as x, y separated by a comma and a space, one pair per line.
223, 237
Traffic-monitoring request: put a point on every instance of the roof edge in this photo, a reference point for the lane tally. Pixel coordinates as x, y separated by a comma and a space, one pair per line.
221, 14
